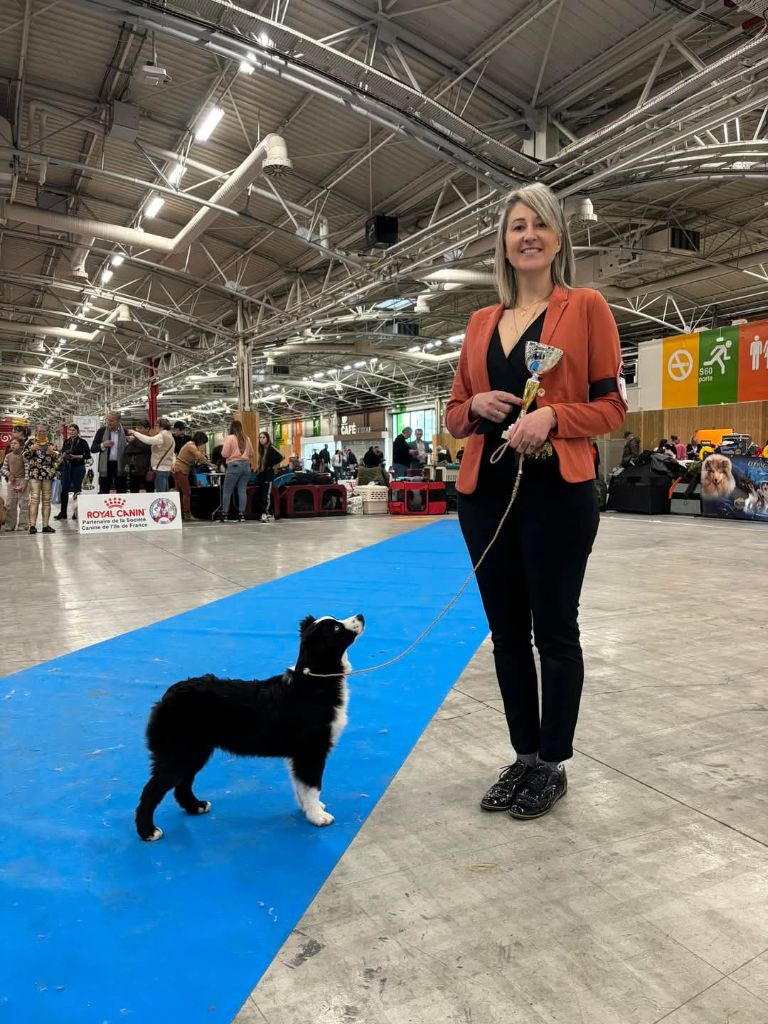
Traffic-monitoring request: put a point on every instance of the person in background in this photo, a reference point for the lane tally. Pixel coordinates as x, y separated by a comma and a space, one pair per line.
693, 447
402, 453
74, 454
680, 449
180, 436
631, 448
443, 455
192, 454
423, 449
237, 451
267, 457
13, 469
162, 450
109, 445
664, 446
218, 459
372, 458
323, 459
138, 457
41, 465
351, 460
337, 464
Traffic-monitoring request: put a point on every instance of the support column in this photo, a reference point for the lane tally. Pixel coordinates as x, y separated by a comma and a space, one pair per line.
244, 375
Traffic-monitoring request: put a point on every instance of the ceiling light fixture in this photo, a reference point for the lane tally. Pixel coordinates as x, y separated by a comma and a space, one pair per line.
247, 67
208, 122
153, 206
107, 275
117, 260
176, 173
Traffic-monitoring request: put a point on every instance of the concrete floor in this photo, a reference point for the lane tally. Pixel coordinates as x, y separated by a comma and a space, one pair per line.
642, 898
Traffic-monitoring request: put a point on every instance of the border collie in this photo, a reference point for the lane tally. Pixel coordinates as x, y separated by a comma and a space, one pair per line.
298, 715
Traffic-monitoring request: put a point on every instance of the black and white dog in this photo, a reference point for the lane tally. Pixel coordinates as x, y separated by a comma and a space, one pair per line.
298, 715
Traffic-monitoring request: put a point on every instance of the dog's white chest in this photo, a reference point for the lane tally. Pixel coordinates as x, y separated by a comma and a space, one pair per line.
340, 718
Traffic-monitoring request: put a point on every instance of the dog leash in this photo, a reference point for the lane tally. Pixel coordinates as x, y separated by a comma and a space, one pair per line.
495, 457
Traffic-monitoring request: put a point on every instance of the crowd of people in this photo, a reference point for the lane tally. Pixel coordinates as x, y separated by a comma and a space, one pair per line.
154, 457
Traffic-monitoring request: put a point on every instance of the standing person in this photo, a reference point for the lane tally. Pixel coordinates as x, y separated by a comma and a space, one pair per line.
323, 459
74, 455
373, 458
402, 453
180, 436
41, 465
138, 458
631, 448
163, 450
534, 572
337, 464
681, 451
238, 452
423, 448
351, 462
267, 457
14, 471
192, 454
109, 443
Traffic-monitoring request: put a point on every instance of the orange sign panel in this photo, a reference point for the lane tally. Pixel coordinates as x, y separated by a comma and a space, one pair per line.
753, 362
680, 372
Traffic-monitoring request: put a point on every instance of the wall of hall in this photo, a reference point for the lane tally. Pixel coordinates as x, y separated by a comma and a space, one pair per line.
743, 417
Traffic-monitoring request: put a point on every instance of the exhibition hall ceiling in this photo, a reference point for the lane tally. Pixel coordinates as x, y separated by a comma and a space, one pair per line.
180, 177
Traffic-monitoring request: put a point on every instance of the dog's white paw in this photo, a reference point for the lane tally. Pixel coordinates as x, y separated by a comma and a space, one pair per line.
320, 817
205, 808
322, 805
157, 834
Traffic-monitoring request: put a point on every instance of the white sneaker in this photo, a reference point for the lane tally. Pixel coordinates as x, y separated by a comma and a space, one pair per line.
263, 517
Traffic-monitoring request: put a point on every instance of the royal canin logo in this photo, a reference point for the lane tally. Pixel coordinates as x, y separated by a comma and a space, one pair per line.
115, 502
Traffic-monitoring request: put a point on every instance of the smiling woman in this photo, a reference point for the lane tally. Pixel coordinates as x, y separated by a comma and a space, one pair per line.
540, 556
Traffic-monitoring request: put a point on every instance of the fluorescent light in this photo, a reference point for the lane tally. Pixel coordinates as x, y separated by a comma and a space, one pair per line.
107, 275
153, 206
265, 40
348, 366
360, 365
117, 260
208, 123
247, 67
176, 173
72, 326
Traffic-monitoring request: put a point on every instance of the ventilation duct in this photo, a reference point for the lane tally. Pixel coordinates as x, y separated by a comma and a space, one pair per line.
269, 156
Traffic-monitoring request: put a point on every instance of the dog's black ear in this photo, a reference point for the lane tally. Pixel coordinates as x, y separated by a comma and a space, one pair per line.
305, 624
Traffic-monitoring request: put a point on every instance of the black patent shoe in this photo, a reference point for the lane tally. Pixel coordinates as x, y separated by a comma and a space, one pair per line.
539, 793
501, 794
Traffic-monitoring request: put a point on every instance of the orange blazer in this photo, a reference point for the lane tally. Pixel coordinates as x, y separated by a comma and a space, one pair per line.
579, 322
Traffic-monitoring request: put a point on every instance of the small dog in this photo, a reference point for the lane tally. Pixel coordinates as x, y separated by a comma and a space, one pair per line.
298, 715
717, 480
757, 498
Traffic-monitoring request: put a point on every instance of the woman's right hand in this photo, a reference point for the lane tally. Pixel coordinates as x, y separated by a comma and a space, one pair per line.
494, 405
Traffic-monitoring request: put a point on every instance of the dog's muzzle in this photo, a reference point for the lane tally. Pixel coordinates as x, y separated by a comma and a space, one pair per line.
355, 623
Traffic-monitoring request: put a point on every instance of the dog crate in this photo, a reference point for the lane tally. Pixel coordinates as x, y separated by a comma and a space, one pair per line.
685, 501
375, 500
331, 499
416, 498
297, 500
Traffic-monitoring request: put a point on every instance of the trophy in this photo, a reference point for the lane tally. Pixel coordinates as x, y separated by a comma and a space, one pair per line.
539, 359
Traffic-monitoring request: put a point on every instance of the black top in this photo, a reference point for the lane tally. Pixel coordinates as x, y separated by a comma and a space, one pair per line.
508, 373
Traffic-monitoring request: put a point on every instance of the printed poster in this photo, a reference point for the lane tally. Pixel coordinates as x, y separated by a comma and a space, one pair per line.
128, 513
735, 488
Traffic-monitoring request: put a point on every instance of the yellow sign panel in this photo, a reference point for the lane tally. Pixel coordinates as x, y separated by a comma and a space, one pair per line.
680, 372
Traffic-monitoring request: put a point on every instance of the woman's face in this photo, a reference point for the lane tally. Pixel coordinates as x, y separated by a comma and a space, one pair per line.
263, 439
530, 246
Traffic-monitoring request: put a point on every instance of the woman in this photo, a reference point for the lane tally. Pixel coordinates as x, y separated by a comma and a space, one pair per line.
267, 457
193, 453
41, 463
337, 463
237, 451
14, 471
535, 570
163, 447
138, 460
75, 453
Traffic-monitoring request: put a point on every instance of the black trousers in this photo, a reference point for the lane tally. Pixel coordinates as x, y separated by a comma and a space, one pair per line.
106, 483
532, 577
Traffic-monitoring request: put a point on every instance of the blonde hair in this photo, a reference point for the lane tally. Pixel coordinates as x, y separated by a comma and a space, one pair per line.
542, 200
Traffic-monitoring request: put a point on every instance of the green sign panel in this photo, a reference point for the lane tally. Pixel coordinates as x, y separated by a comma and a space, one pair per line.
315, 426
277, 432
718, 366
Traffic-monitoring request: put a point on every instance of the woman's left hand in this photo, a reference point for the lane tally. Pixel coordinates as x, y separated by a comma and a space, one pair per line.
532, 430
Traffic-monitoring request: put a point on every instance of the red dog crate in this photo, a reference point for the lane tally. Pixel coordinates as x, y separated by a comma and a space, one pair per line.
297, 500
331, 499
416, 498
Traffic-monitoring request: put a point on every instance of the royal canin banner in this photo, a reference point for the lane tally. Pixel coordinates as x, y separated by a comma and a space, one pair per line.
124, 513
